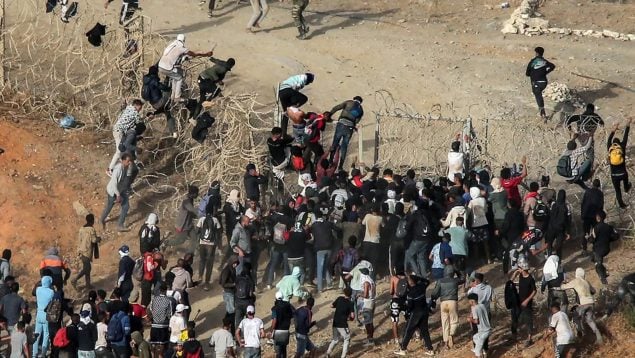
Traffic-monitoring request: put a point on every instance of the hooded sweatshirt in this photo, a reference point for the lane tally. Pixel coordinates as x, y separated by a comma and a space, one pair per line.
455, 212
478, 205
43, 296
142, 347
582, 287
484, 293
182, 279
289, 285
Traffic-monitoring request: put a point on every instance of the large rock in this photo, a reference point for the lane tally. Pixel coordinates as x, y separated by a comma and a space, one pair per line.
611, 34
508, 28
80, 209
537, 23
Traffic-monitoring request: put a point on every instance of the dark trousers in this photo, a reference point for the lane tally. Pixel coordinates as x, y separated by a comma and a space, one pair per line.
207, 90
315, 150
522, 316
85, 271
310, 263
289, 97
617, 180
121, 351
418, 320
537, 88
372, 252
146, 293
257, 247
599, 266
341, 140
211, 5
126, 288
276, 258
397, 254
206, 263
587, 224
162, 107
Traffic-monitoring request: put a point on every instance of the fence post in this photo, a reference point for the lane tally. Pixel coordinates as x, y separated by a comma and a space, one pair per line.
360, 146
376, 156
2, 48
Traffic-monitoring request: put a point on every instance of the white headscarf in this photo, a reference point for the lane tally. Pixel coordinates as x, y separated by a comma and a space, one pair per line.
475, 192
550, 270
152, 219
496, 184
234, 199
579, 273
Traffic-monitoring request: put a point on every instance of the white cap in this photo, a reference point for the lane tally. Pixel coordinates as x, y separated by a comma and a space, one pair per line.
251, 309
181, 307
278, 295
180, 37
305, 177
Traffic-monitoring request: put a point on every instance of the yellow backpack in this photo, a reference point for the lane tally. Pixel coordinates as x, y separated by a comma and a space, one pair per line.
616, 154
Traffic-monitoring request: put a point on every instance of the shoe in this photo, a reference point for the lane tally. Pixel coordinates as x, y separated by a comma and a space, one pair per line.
428, 353
109, 172
604, 281
627, 187
450, 342
268, 287
122, 229
202, 2
206, 287
369, 343
103, 225
400, 352
175, 135
210, 15
64, 19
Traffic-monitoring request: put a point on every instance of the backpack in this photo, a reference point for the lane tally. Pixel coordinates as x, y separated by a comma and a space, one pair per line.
402, 288
208, 231
61, 338
115, 328
402, 229
147, 236
280, 234
511, 295
425, 224
349, 259
54, 310
563, 168
616, 154
243, 287
540, 211
356, 111
137, 270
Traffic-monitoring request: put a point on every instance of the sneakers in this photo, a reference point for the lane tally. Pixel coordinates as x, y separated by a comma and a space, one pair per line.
369, 343
268, 287
400, 352
122, 229
428, 353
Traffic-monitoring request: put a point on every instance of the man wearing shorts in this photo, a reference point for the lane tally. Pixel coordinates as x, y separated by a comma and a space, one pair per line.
366, 300
398, 293
161, 308
303, 323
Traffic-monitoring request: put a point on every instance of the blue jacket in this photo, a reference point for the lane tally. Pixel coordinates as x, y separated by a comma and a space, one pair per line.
125, 322
44, 296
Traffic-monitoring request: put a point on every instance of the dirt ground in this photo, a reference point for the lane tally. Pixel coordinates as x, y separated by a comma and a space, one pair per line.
423, 52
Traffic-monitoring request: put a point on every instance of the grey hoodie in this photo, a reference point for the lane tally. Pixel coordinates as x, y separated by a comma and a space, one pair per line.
484, 293
182, 279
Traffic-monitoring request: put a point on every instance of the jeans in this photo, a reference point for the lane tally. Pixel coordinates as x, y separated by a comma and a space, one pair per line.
228, 298
257, 247
617, 180
276, 258
418, 320
86, 269
110, 202
537, 88
251, 352
259, 9
323, 272
299, 262
115, 157
585, 312
42, 330
176, 80
341, 139
416, 258
340, 333
303, 345
281, 341
206, 263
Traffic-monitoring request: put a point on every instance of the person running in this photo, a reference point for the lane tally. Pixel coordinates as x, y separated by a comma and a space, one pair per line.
124, 274
303, 323
352, 113
157, 94
126, 121
117, 192
85, 247
559, 324
537, 71
418, 310
209, 80
281, 315
603, 235
480, 318
584, 311
447, 291
259, 10
344, 312
252, 329
222, 341
170, 64
617, 161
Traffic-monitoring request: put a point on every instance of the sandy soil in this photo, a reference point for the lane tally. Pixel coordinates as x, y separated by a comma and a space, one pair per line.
424, 54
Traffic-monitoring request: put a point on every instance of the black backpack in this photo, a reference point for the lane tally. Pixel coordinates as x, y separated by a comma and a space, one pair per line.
511, 295
540, 211
208, 231
564, 166
402, 228
54, 310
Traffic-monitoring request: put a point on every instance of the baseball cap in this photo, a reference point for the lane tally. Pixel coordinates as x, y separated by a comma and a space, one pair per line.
181, 307
251, 309
124, 249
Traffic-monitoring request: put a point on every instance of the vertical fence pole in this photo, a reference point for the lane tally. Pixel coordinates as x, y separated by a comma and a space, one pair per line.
377, 121
2, 49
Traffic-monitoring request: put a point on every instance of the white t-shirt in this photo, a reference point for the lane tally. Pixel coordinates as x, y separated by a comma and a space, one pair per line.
560, 322
174, 294
102, 333
455, 164
171, 55
251, 331
177, 325
221, 340
373, 227
369, 302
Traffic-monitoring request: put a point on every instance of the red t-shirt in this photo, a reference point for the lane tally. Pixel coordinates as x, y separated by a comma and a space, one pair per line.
511, 186
138, 310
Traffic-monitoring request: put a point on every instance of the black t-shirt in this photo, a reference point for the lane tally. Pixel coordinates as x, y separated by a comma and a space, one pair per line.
277, 149
296, 244
526, 285
343, 309
604, 234
283, 313
115, 306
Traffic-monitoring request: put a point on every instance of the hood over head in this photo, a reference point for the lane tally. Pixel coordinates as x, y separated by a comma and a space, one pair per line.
52, 251
296, 272
152, 219
47, 281
137, 337
496, 184
550, 270
579, 273
475, 192
233, 196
